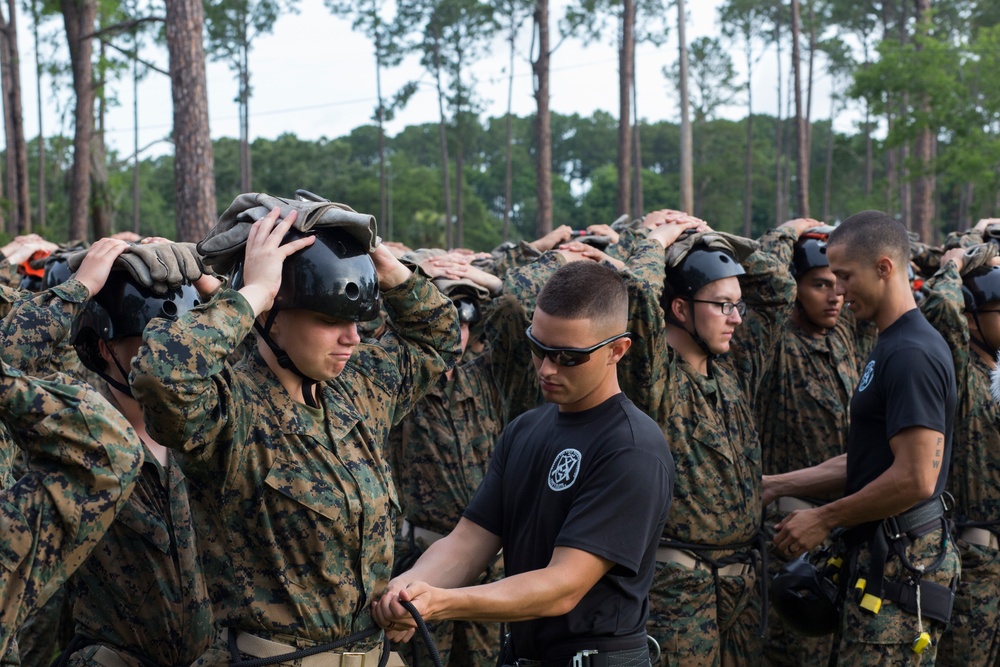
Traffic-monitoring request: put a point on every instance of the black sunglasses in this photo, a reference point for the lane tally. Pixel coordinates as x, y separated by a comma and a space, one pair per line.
568, 356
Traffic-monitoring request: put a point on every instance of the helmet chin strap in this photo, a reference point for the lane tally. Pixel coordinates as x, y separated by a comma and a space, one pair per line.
693, 332
981, 344
284, 360
123, 387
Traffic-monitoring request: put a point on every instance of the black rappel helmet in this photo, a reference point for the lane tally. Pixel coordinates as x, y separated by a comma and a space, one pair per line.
335, 276
121, 309
981, 287
805, 599
808, 253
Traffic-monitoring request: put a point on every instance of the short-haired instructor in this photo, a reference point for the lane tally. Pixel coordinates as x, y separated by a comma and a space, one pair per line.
900, 565
577, 494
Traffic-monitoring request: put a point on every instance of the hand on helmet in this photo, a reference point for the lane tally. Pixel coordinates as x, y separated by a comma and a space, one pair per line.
265, 256
96, 265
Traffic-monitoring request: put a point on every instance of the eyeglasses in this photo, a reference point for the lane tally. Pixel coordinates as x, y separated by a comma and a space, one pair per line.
568, 356
727, 306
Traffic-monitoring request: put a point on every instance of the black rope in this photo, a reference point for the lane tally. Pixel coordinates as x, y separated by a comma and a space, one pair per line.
306, 652
425, 633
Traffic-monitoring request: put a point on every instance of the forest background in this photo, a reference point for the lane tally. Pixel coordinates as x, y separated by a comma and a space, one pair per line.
918, 80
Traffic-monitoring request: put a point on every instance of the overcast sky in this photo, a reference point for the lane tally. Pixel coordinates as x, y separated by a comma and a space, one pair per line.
314, 77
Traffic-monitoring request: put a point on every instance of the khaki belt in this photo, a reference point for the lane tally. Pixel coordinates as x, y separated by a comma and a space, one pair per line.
687, 561
428, 536
788, 504
259, 647
980, 537
109, 658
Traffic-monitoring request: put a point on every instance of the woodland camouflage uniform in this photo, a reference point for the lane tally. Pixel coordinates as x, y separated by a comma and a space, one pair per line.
697, 617
301, 498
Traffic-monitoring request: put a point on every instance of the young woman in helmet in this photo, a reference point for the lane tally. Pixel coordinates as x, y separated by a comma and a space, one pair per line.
287, 446
141, 597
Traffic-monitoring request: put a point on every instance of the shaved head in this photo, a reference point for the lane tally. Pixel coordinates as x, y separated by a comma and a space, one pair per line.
872, 234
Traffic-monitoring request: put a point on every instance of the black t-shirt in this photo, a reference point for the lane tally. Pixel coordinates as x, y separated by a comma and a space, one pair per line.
909, 381
599, 480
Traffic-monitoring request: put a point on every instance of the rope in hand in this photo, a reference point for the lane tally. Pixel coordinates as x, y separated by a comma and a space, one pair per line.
425, 635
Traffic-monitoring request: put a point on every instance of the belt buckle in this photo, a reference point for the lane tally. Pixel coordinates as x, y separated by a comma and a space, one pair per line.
581, 659
891, 528
353, 654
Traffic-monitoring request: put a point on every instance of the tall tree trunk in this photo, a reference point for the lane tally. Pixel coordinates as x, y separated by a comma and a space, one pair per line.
923, 191
779, 132
382, 193
809, 77
14, 221
459, 181
543, 127
194, 164
100, 197
508, 183
443, 133
42, 202
828, 176
687, 141
78, 17
626, 64
17, 147
802, 154
748, 183
135, 134
638, 205
246, 167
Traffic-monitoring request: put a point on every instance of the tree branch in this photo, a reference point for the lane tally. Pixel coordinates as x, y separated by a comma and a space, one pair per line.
124, 26
134, 56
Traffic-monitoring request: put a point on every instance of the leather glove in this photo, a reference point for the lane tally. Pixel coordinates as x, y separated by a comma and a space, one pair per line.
978, 256
739, 247
156, 266
451, 288
223, 246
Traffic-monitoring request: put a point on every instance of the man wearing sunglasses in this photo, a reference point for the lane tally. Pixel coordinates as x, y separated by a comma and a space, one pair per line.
577, 494
706, 317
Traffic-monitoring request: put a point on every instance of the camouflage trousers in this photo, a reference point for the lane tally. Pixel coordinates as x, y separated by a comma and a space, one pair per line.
701, 622
783, 647
974, 635
885, 639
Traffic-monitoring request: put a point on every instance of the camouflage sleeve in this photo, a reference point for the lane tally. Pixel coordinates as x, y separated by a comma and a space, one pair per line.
182, 379
769, 291
37, 330
514, 256
629, 240
9, 277
510, 315
83, 460
425, 340
10, 296
639, 373
944, 308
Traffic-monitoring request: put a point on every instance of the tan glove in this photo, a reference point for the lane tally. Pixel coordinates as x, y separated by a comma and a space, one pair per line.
159, 267
978, 256
739, 247
223, 246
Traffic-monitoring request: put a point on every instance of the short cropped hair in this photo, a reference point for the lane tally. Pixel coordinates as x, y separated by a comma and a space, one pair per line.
871, 234
586, 290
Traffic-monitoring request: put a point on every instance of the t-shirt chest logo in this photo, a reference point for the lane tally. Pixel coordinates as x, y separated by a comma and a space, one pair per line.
866, 379
564, 469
